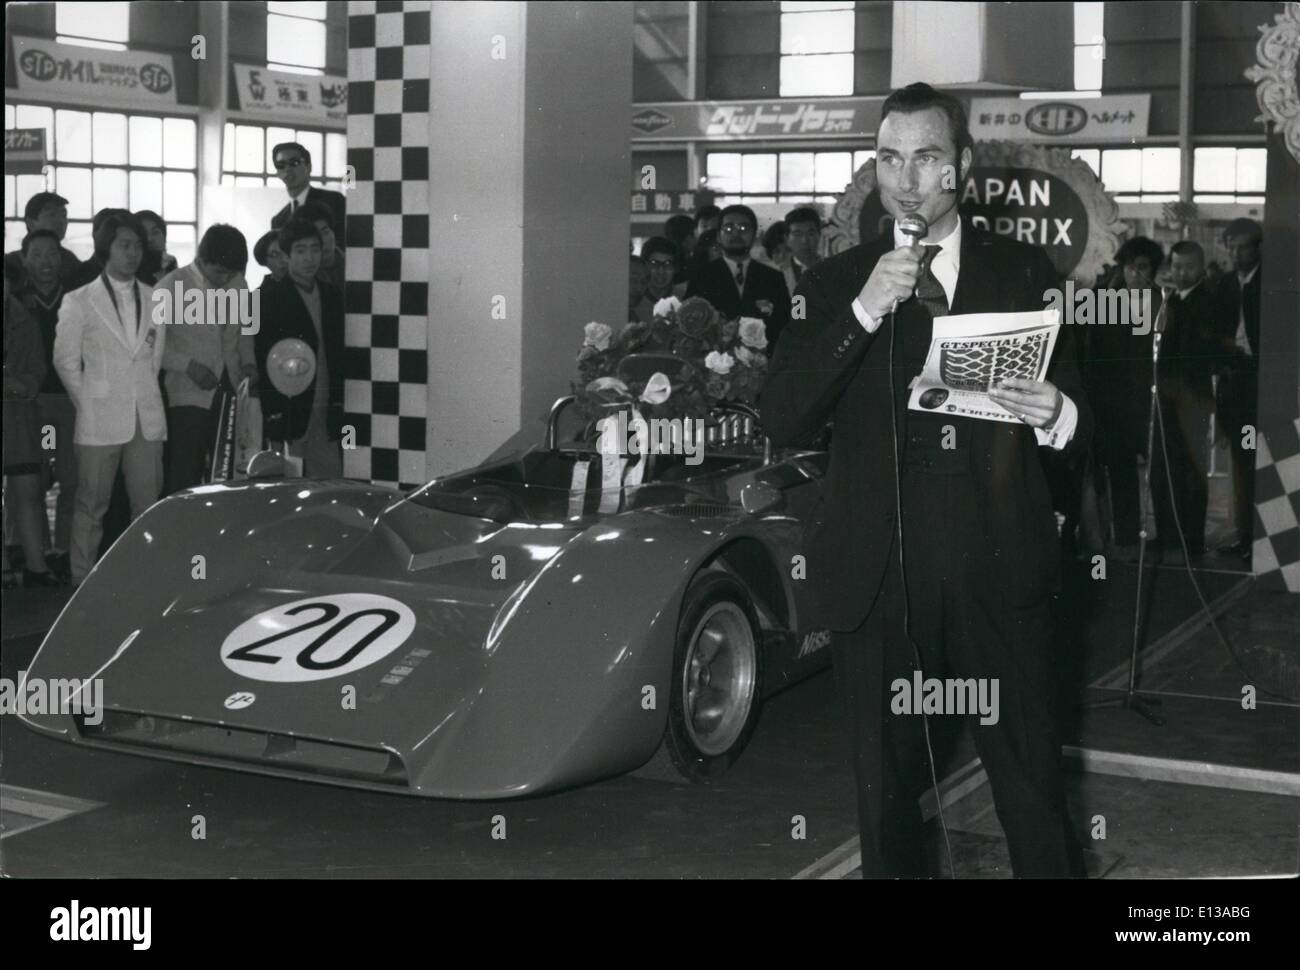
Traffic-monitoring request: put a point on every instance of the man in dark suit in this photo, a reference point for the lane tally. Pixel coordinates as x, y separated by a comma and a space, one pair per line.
1186, 402
293, 168
738, 285
977, 527
1237, 368
304, 306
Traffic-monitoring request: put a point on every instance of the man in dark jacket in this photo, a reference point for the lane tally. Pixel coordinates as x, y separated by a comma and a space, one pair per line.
961, 587
303, 306
739, 286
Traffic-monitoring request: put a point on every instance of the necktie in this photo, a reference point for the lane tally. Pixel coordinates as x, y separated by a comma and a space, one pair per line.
798, 272
929, 291
740, 277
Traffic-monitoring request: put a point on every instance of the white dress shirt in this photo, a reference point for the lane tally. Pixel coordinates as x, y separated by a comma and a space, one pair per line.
945, 266
737, 267
1243, 341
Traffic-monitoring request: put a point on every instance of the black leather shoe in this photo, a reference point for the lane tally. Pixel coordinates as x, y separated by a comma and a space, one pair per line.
59, 564
40, 579
1238, 550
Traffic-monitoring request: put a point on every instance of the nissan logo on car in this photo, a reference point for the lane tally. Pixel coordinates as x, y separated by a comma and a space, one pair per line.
1056, 118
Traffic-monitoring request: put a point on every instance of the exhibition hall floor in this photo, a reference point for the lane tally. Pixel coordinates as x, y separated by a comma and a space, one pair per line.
1216, 791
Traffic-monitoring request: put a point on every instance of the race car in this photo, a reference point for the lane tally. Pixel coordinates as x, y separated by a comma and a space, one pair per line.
505, 631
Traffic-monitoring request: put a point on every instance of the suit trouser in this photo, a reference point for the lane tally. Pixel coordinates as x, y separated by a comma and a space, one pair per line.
142, 467
1237, 407
1185, 419
191, 436
963, 629
58, 411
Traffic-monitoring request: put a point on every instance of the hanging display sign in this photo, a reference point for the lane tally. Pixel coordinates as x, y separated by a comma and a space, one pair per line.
739, 120
140, 79
24, 151
292, 99
1110, 118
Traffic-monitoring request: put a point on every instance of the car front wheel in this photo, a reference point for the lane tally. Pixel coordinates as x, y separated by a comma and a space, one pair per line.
716, 677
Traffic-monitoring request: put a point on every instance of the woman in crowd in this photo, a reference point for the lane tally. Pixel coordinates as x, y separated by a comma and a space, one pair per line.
269, 255
156, 262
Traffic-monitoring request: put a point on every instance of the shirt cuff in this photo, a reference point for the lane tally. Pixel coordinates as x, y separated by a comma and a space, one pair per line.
864, 318
1060, 434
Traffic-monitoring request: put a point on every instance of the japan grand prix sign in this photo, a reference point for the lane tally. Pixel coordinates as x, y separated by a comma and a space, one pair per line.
1032, 193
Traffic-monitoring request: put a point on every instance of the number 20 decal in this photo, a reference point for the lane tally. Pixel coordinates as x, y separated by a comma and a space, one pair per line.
317, 638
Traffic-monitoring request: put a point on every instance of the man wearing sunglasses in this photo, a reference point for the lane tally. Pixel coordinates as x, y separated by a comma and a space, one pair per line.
293, 168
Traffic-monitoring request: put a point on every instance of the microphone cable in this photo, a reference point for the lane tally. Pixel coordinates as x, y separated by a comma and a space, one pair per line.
902, 569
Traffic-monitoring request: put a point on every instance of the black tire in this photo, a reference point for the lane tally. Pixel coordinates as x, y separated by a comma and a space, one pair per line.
702, 739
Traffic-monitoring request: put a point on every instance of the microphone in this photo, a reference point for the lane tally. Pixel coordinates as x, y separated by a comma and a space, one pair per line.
916, 227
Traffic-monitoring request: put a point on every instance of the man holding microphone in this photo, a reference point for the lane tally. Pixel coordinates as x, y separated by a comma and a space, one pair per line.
935, 546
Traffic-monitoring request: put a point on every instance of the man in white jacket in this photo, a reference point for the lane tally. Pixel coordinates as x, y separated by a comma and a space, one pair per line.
108, 350
206, 339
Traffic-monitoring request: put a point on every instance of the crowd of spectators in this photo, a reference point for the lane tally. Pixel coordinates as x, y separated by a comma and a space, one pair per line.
115, 376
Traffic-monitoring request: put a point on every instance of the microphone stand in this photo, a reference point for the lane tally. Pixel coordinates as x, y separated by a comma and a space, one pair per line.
1145, 705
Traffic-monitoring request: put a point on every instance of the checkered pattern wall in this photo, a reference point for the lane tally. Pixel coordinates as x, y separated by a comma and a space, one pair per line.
388, 240
1276, 553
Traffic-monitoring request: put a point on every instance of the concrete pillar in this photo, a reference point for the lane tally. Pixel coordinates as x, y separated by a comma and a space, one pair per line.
527, 201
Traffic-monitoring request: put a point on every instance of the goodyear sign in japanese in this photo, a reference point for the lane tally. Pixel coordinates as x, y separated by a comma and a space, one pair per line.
737, 120
292, 98
138, 78
1111, 118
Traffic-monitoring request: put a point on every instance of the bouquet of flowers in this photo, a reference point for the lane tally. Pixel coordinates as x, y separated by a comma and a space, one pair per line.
705, 360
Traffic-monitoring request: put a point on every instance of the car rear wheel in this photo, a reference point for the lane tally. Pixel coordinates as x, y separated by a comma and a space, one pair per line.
716, 678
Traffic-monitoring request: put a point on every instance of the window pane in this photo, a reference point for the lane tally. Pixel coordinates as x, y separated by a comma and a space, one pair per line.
276, 136
1252, 163
179, 148
799, 6
816, 33
78, 240
1087, 23
336, 155
30, 116
28, 185
1090, 155
816, 74
178, 196
14, 233
103, 21
302, 8
250, 180
1087, 68
74, 185
110, 188
292, 40
228, 148
833, 171
723, 170
796, 171
9, 116
1160, 170
72, 136
758, 173
1199, 199
109, 138
1121, 169
248, 148
758, 199
146, 141
181, 243
861, 158
315, 145
146, 192
11, 198
1214, 169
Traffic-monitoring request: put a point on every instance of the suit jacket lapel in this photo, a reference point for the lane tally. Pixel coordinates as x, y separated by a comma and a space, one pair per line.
99, 299
975, 285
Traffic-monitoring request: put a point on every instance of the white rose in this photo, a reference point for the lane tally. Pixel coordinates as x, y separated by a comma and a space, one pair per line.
719, 363
753, 333
667, 306
597, 335
746, 356
658, 389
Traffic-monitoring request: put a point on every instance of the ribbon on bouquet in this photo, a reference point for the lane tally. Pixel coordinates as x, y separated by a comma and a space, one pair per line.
617, 471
